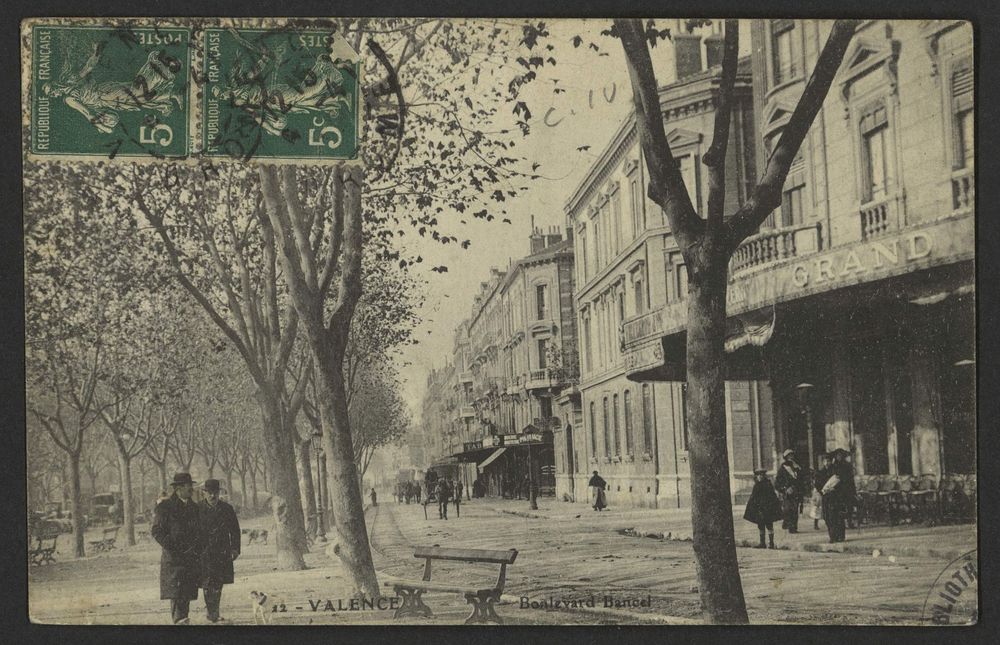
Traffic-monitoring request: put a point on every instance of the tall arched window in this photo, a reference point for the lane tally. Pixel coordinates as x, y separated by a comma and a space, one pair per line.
618, 435
593, 432
648, 418
629, 441
607, 437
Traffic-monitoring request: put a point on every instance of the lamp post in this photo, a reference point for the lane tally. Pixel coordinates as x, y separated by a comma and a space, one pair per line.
318, 454
802, 392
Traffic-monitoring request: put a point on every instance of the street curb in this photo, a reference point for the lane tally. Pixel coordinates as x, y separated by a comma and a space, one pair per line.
808, 547
867, 549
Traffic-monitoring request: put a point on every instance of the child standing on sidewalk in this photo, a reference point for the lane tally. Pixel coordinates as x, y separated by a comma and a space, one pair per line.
763, 507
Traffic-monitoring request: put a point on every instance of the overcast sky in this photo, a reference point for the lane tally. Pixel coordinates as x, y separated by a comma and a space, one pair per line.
579, 72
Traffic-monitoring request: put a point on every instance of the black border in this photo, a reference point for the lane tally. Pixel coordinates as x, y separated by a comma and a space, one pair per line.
13, 611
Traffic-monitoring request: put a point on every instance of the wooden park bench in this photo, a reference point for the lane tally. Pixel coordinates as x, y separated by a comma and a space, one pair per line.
481, 598
107, 541
44, 548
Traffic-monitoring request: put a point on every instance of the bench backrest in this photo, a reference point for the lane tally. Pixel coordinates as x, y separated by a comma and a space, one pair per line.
466, 555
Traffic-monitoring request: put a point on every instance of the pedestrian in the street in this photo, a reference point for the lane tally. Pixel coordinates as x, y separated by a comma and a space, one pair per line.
443, 497
788, 483
374, 496
418, 493
597, 484
838, 496
459, 490
221, 532
457, 487
177, 528
763, 508
820, 476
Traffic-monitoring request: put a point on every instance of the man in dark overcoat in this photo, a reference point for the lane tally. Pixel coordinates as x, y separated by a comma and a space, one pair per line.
443, 497
221, 531
788, 483
177, 528
839, 495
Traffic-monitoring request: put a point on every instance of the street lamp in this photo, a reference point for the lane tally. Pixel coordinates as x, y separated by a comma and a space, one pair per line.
318, 453
803, 393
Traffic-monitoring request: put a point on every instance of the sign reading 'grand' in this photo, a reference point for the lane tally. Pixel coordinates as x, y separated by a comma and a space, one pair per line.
110, 92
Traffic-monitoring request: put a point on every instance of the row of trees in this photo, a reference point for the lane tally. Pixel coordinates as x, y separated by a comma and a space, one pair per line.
266, 251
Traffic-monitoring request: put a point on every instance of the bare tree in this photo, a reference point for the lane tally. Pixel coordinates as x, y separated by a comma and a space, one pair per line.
707, 246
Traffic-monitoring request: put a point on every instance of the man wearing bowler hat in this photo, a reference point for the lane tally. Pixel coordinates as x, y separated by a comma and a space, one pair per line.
177, 528
221, 532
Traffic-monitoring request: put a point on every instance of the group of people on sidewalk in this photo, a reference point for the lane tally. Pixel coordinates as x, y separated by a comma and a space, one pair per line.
832, 497
200, 541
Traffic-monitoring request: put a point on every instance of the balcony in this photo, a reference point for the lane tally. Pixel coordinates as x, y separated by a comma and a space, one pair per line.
542, 379
514, 384
546, 423
465, 377
643, 326
775, 245
467, 412
877, 218
963, 190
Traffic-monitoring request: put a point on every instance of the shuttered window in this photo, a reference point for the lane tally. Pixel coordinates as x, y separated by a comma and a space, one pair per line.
962, 102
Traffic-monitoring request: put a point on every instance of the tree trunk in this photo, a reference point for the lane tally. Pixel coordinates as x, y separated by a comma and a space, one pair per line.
243, 490
229, 483
347, 507
76, 504
125, 482
325, 489
286, 505
711, 507
304, 466
253, 489
162, 468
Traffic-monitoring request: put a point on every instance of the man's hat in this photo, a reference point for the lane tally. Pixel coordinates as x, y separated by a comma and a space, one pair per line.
181, 478
839, 451
788, 452
212, 485
760, 471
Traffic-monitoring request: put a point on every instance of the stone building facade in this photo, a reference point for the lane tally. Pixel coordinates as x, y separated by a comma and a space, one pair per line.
512, 357
629, 269
853, 307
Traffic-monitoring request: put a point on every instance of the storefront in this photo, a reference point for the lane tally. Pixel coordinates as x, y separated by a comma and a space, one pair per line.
507, 464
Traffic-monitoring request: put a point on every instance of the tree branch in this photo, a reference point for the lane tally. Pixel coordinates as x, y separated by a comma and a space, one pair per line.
349, 285
767, 195
715, 158
666, 185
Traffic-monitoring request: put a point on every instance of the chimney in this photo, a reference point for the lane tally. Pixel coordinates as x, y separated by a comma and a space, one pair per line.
714, 47
553, 237
687, 54
536, 240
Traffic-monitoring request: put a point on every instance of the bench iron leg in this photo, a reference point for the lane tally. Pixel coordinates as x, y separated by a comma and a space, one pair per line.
482, 608
413, 604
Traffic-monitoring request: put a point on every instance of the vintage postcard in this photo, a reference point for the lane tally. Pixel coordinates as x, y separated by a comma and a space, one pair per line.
446, 321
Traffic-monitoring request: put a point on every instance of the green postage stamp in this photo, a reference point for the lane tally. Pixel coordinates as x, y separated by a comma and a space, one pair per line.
104, 91
208, 88
279, 94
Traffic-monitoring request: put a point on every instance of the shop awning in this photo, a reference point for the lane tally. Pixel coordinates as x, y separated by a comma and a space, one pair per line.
941, 296
750, 330
489, 460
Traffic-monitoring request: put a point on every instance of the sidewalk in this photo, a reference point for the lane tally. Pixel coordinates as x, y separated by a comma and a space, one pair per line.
948, 541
